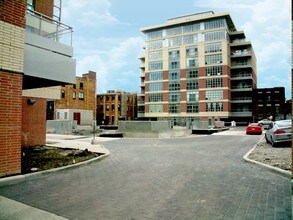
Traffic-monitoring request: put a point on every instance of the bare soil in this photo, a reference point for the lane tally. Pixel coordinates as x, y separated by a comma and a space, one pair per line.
279, 156
41, 158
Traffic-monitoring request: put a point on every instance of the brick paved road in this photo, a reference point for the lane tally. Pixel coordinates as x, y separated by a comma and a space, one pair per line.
183, 178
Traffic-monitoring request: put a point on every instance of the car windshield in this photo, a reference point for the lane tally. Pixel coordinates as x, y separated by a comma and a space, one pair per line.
253, 124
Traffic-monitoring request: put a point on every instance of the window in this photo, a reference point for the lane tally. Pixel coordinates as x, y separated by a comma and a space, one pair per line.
58, 115
174, 86
192, 107
174, 97
191, 28
214, 82
152, 45
81, 85
155, 76
175, 41
156, 65
190, 39
214, 70
214, 107
214, 95
192, 73
156, 108
174, 64
155, 55
30, 5
62, 94
191, 62
241, 62
155, 97
174, 108
81, 96
191, 84
213, 48
154, 34
74, 86
192, 51
174, 75
174, 54
174, 31
158, 86
74, 95
191, 96
215, 35
65, 115
213, 59
215, 23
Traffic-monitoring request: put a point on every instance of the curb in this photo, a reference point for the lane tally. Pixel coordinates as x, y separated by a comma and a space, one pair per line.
283, 173
20, 178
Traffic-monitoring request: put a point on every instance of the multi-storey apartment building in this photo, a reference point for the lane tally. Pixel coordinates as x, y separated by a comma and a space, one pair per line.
116, 105
32, 55
197, 67
76, 101
269, 102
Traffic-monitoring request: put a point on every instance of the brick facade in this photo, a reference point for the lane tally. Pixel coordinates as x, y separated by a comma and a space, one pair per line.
10, 123
13, 12
33, 122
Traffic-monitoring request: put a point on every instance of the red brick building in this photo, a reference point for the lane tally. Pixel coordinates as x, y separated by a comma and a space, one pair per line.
25, 57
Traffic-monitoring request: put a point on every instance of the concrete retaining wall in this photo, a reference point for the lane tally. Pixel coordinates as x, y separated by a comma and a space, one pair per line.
61, 126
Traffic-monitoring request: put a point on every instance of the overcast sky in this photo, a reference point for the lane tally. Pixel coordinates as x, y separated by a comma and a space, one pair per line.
107, 37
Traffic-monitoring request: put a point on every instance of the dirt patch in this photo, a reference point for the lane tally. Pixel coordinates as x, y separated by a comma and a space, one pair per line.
274, 156
44, 158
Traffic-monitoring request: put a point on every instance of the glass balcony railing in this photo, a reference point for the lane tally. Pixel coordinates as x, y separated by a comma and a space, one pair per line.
45, 26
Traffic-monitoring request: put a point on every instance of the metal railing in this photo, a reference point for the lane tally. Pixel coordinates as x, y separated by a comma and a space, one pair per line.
45, 26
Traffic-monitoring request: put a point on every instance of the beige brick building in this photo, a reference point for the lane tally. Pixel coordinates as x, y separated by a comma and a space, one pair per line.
197, 67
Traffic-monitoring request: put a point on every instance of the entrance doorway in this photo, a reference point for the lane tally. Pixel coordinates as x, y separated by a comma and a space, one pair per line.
76, 117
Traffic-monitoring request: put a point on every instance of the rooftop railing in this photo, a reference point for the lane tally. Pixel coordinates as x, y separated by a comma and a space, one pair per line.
45, 26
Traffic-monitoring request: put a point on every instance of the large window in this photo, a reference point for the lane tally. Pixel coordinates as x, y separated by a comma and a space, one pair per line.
174, 31
192, 51
152, 45
173, 75
155, 55
191, 84
175, 41
156, 108
158, 86
156, 65
190, 39
214, 82
174, 64
155, 97
215, 35
174, 85
213, 48
191, 28
214, 95
191, 96
192, 107
192, 73
174, 97
214, 70
174, 54
154, 34
213, 59
191, 62
153, 76
215, 23
174, 108
214, 107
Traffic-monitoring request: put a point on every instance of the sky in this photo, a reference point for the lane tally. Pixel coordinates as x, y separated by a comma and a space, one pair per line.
107, 37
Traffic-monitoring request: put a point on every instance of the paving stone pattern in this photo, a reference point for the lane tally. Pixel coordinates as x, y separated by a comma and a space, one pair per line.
183, 178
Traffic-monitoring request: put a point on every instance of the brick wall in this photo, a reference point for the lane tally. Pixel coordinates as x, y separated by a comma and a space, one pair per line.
10, 123
13, 12
33, 122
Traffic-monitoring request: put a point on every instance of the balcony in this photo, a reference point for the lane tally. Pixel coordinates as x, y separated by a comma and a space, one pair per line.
239, 42
241, 100
241, 88
241, 112
240, 66
47, 52
241, 76
140, 103
241, 53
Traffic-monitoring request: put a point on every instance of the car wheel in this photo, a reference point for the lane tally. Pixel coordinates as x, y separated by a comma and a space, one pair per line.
267, 140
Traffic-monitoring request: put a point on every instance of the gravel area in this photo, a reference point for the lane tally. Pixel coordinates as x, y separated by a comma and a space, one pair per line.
274, 156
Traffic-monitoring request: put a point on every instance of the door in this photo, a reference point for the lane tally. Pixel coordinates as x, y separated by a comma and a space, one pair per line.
76, 117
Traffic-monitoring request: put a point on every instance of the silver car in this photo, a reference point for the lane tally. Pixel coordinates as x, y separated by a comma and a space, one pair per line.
278, 132
265, 122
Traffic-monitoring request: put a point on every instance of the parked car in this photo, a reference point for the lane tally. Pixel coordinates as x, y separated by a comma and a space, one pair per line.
265, 122
279, 132
254, 128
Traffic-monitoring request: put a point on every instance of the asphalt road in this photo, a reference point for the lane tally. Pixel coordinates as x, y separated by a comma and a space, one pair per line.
197, 177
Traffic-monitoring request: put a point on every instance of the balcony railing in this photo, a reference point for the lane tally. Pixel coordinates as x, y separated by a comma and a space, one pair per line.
242, 87
45, 26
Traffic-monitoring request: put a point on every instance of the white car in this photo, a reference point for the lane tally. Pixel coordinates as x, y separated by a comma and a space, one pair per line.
265, 122
279, 132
